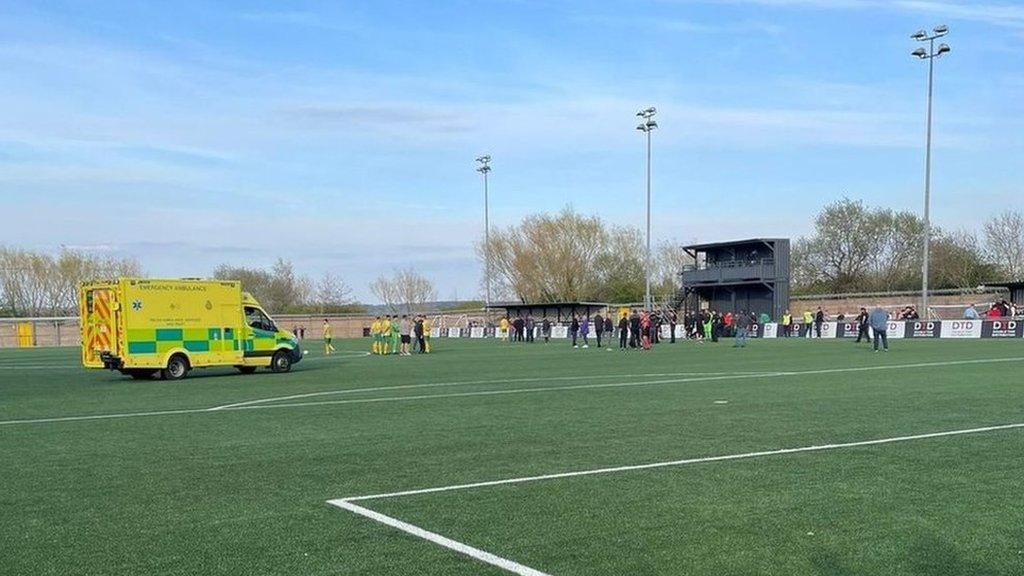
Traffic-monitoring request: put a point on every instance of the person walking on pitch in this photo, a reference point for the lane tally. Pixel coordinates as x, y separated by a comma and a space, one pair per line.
328, 347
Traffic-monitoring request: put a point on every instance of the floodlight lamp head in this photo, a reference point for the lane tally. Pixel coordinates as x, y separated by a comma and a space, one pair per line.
651, 124
920, 53
484, 159
642, 128
919, 35
943, 49
941, 30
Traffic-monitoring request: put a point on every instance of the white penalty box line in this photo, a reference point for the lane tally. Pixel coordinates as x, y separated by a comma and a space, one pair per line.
351, 505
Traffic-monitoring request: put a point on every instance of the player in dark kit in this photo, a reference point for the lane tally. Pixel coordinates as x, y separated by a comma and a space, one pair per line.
862, 326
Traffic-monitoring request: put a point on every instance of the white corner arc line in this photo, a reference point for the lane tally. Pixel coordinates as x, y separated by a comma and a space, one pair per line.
686, 461
461, 548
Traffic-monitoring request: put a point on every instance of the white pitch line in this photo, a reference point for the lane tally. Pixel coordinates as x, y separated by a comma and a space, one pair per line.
469, 383
476, 553
513, 391
516, 568
675, 463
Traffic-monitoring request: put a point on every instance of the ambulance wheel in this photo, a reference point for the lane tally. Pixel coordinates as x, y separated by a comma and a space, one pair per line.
177, 368
281, 362
246, 369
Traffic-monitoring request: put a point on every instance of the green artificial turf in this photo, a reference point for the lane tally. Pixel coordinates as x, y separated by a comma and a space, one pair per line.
244, 491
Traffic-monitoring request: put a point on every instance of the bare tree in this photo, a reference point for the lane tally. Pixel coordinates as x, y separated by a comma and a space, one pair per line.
331, 292
36, 283
280, 289
1004, 240
405, 291
670, 260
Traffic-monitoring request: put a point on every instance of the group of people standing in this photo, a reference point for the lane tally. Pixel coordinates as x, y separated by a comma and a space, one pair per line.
636, 329
400, 336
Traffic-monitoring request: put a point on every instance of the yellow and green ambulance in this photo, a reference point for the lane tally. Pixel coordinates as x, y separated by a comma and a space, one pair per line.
147, 327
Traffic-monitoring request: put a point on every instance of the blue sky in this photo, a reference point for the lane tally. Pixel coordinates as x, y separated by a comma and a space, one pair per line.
341, 135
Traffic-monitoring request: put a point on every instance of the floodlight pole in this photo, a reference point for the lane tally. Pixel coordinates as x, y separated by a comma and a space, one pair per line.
484, 169
930, 55
648, 126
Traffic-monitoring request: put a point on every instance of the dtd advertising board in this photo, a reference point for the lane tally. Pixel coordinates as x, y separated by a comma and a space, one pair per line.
961, 328
1002, 329
924, 329
848, 330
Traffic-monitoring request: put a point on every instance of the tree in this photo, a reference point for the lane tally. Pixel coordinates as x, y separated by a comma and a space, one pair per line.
670, 260
1004, 243
838, 255
38, 284
405, 291
958, 261
278, 289
561, 257
331, 293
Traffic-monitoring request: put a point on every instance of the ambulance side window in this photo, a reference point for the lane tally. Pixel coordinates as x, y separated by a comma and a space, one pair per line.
255, 318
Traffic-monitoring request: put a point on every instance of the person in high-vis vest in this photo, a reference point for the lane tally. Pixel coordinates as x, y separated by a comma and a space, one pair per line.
787, 324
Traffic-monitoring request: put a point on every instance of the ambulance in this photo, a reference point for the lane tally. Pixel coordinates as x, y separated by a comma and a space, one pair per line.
145, 328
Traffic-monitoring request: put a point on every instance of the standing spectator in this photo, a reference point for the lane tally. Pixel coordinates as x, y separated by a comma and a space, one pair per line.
609, 329
574, 329
764, 318
530, 327
673, 319
599, 328
787, 324
545, 329
971, 313
519, 325
862, 326
623, 332
805, 330
879, 322
417, 330
655, 327
634, 329
645, 330
585, 330
819, 319
742, 324
717, 325
425, 327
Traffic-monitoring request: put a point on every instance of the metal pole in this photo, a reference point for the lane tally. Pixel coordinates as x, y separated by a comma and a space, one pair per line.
487, 245
927, 188
647, 261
